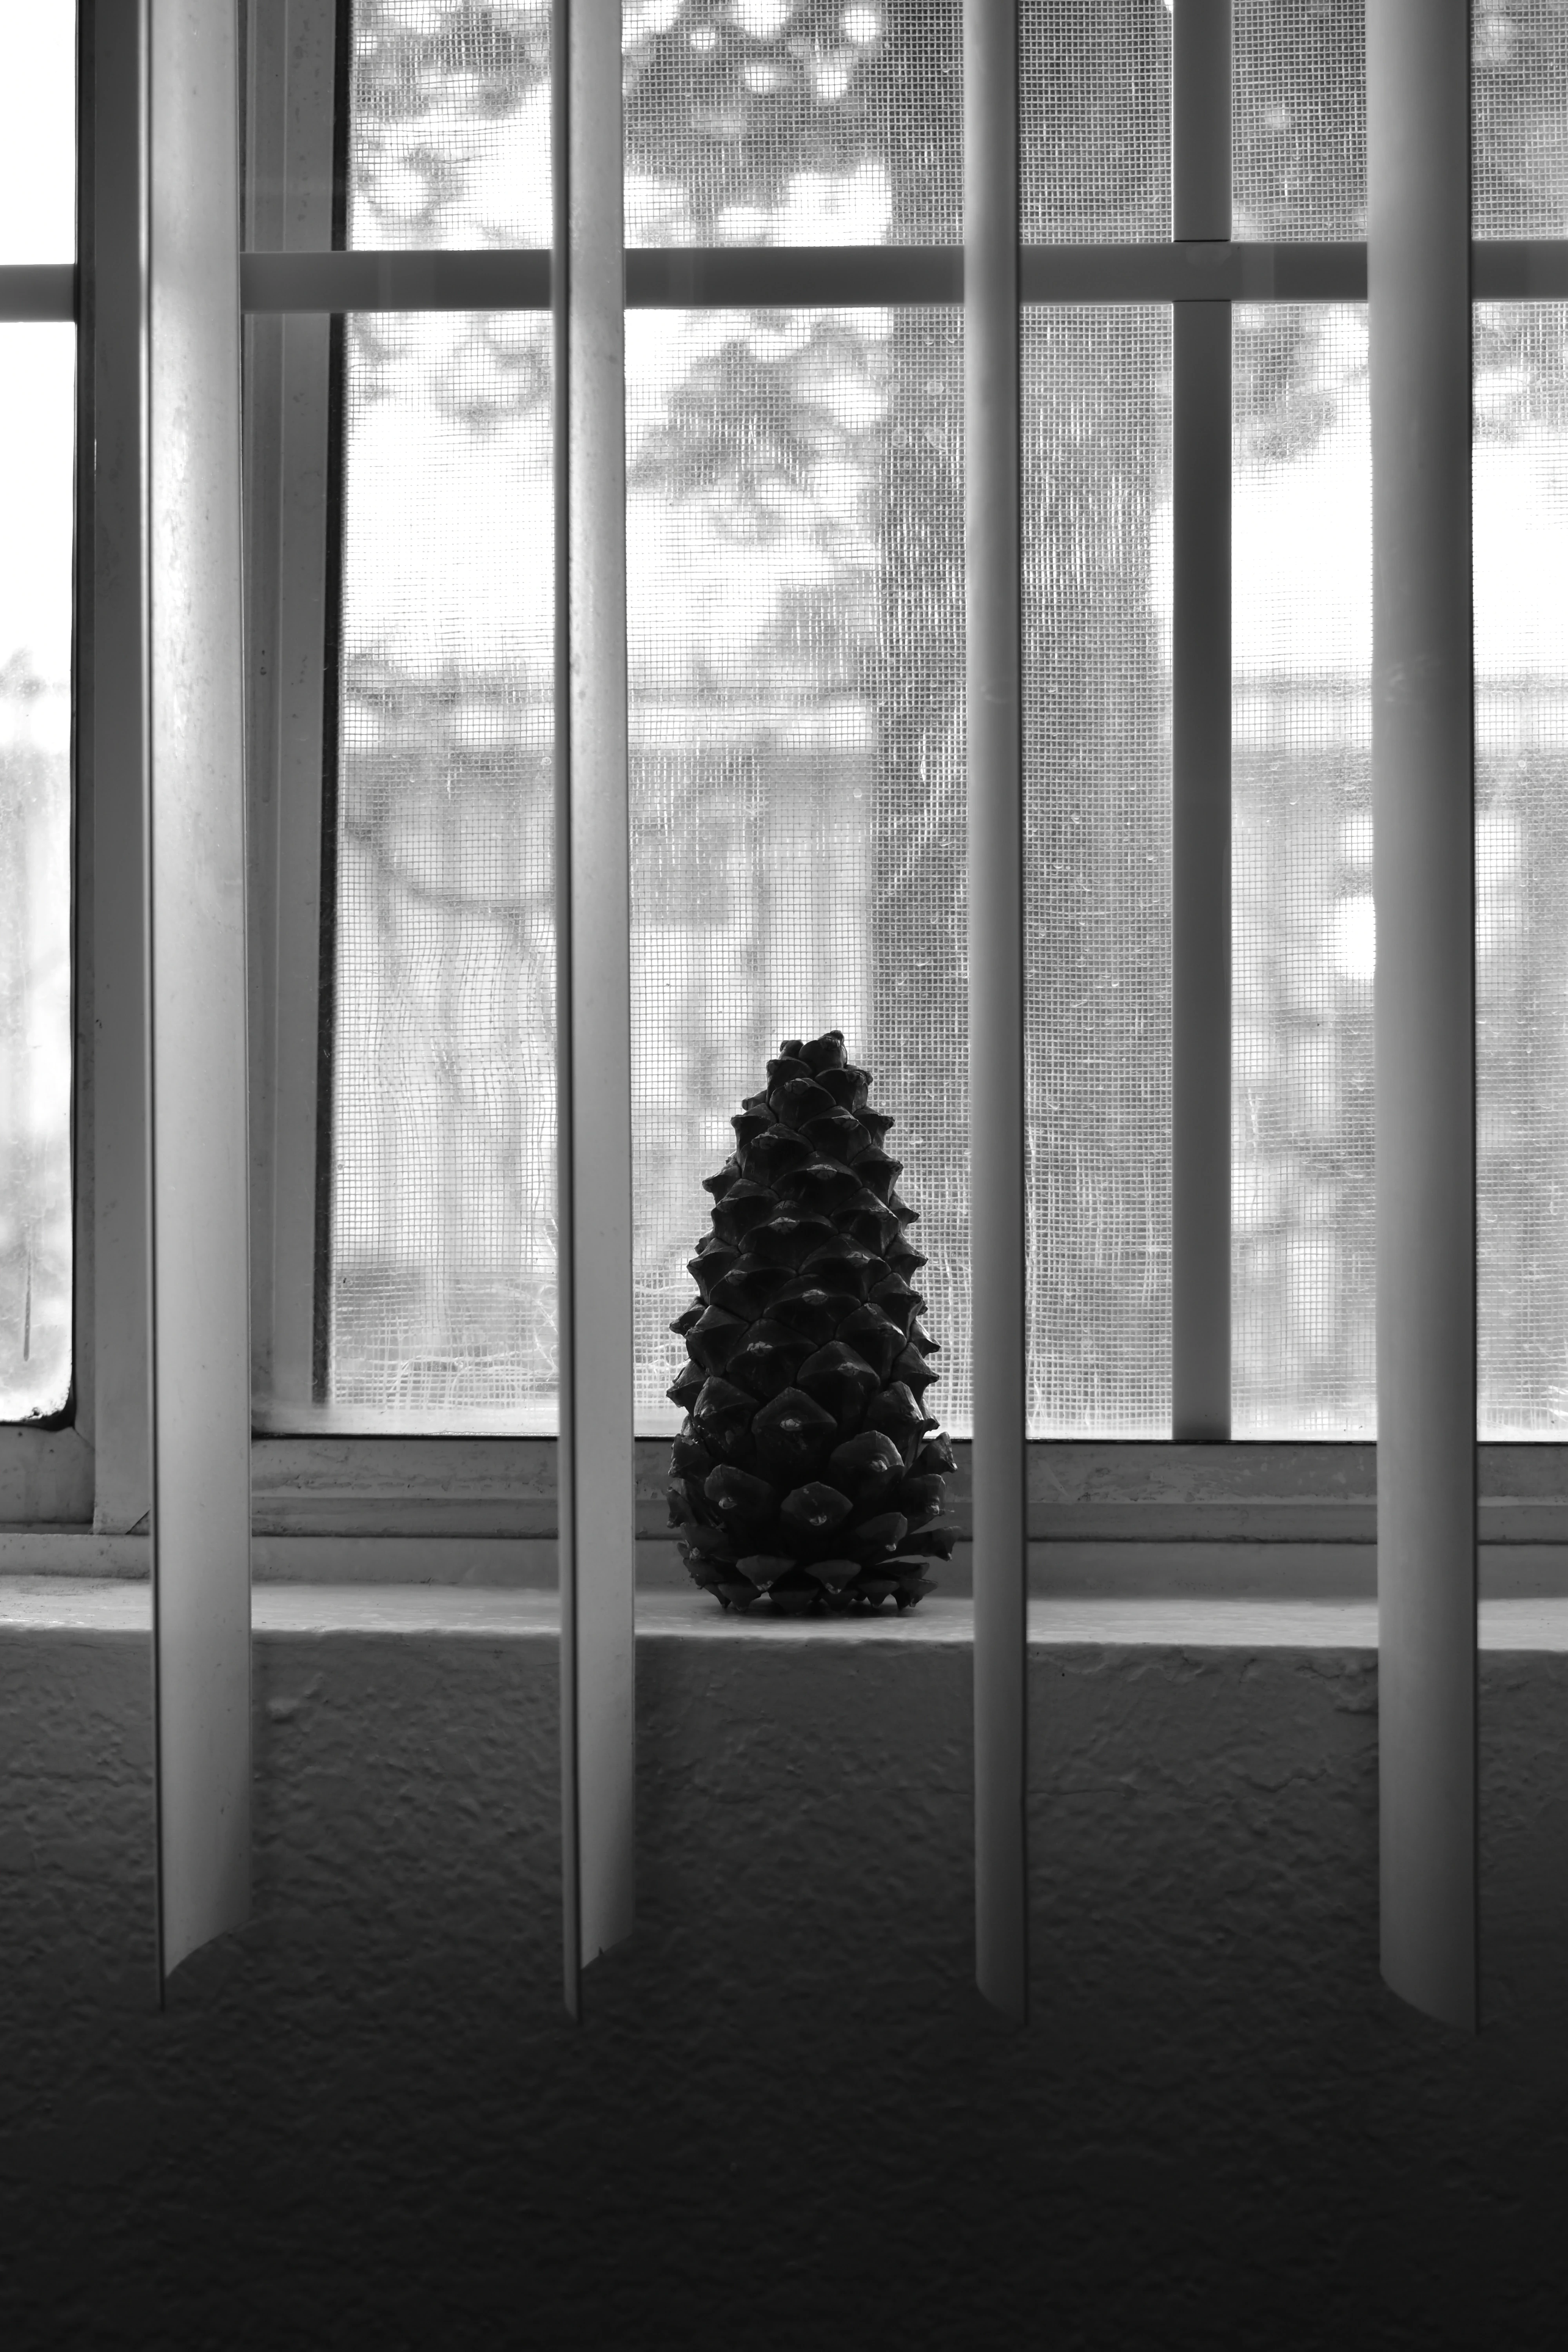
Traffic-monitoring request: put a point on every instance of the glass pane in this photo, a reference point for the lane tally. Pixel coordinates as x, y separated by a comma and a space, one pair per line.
37, 452
1298, 116
1521, 864
1520, 108
796, 602
1302, 1175
449, 124
793, 122
442, 1291
38, 154
1095, 104
1096, 602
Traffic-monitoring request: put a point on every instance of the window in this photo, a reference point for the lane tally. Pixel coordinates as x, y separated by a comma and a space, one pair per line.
794, 526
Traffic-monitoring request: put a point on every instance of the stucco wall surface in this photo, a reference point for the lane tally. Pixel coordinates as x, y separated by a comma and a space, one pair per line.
787, 2122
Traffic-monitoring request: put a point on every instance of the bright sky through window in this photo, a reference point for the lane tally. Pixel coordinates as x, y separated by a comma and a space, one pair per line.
37, 153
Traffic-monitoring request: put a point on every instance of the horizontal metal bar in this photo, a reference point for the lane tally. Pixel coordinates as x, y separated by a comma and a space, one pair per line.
300, 282
831, 277
1517, 269
32, 291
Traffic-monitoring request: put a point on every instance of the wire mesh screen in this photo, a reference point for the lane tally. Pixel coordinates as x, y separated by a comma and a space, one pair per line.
793, 122
36, 428
795, 532
442, 1234
1299, 119
1096, 590
1521, 864
1094, 121
1519, 112
1302, 1264
449, 115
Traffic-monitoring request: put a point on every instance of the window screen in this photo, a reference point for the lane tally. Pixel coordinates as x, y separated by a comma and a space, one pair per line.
449, 107
1094, 121
1520, 101
36, 432
793, 122
1298, 116
38, 394
794, 607
442, 1120
1521, 864
1097, 601
1302, 1175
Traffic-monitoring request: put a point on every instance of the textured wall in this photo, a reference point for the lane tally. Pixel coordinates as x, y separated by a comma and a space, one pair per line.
787, 2122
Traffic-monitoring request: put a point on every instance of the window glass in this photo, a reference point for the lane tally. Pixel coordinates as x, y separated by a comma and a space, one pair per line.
36, 454
1302, 931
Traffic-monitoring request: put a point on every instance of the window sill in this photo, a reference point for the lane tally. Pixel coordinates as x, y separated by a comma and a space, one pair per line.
115, 1606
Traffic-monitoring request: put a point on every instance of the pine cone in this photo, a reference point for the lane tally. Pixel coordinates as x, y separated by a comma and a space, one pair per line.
807, 1469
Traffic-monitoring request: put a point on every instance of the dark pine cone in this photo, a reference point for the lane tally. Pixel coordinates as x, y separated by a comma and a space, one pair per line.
807, 1469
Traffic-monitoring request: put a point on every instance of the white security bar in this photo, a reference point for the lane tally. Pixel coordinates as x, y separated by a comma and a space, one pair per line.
598, 1548
1424, 819
200, 1236
992, 707
1200, 740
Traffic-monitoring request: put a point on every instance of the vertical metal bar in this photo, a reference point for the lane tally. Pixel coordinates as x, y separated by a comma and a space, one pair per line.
1200, 740
195, 928
593, 993
997, 1248
1418, 271
290, 90
121, 1460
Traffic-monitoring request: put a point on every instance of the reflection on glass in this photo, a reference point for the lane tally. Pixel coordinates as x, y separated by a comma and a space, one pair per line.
36, 430
1302, 1177
38, 154
1521, 864
1097, 587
